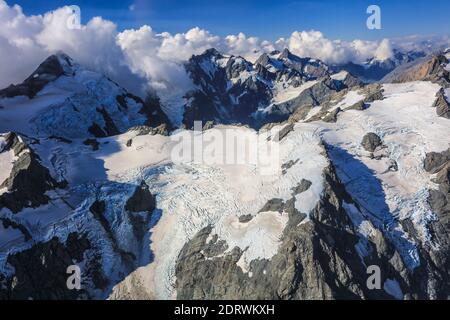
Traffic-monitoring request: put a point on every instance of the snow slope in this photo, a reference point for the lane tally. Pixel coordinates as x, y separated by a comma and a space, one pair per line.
193, 196
215, 190
409, 129
69, 105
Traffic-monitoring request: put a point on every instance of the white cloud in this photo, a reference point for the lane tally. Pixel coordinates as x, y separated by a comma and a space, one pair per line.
25, 41
314, 44
181, 46
419, 42
384, 50
248, 47
142, 57
18, 48
144, 54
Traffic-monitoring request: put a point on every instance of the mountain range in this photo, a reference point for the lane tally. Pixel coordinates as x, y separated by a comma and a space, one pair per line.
88, 178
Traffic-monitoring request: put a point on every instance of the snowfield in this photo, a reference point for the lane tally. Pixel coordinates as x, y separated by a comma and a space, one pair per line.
285, 92
68, 106
409, 128
193, 193
192, 196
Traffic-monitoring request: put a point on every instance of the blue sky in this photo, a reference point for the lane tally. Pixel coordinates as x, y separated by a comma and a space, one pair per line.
344, 19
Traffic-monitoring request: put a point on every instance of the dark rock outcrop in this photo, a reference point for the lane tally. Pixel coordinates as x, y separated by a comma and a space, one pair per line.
314, 261
141, 200
98, 210
28, 181
162, 129
273, 205
233, 90
372, 93
41, 271
316, 95
285, 131
434, 161
50, 70
430, 68
7, 223
332, 115
93, 143
439, 199
442, 105
208, 125
360, 105
217, 97
245, 218
110, 127
371, 141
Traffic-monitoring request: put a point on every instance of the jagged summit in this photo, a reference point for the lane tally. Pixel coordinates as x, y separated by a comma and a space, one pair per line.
430, 68
62, 98
231, 89
375, 69
51, 69
211, 52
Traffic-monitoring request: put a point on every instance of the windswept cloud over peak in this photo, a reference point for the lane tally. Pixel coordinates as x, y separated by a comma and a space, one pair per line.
139, 58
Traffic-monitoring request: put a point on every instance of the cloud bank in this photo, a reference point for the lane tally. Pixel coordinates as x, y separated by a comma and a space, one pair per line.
142, 58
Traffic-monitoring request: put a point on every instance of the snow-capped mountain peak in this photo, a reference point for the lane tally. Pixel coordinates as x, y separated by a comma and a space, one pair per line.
62, 98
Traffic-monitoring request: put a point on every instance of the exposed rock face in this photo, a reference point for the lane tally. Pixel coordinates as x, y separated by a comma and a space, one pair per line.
28, 181
375, 93
332, 116
327, 99
162, 129
141, 130
273, 205
216, 100
434, 161
245, 218
317, 94
208, 125
233, 90
95, 106
371, 141
141, 200
360, 105
374, 70
431, 68
435, 271
41, 271
151, 108
49, 70
156, 120
93, 143
313, 261
285, 131
292, 67
442, 105
439, 199
110, 128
